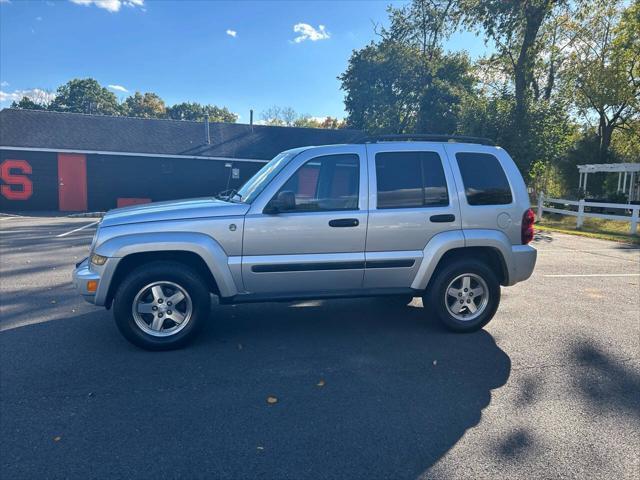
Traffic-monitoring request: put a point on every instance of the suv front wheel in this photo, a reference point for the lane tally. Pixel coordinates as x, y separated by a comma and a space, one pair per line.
464, 295
160, 306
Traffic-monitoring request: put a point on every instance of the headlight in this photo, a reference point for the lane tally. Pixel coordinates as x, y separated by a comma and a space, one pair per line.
98, 259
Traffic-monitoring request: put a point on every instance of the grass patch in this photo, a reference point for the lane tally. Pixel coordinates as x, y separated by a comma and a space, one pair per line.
615, 230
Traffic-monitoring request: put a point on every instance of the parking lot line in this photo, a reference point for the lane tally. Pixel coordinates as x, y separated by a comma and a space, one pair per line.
567, 275
78, 229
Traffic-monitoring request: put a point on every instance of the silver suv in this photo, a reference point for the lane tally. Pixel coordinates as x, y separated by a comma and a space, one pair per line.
447, 220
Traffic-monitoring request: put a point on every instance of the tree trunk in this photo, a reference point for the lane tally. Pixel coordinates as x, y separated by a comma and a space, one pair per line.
551, 78
605, 132
534, 16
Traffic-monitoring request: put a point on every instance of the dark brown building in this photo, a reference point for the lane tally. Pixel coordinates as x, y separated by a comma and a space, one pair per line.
77, 162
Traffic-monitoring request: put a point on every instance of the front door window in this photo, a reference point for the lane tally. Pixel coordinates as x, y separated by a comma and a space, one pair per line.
327, 183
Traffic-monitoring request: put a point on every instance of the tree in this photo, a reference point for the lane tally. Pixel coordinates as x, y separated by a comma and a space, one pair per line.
333, 123
148, 105
392, 87
279, 116
604, 72
307, 121
405, 83
28, 103
557, 39
494, 117
423, 24
196, 112
514, 27
85, 96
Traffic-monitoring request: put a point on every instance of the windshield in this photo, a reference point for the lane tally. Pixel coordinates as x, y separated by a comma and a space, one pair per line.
256, 184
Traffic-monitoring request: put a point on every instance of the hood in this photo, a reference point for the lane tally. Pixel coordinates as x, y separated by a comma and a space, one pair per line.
175, 210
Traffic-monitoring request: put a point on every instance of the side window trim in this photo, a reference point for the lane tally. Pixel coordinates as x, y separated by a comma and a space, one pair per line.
424, 205
359, 167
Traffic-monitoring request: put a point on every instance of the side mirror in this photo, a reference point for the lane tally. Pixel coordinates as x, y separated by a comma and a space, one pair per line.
285, 201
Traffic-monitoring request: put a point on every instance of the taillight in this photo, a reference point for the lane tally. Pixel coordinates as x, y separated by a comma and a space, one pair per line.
526, 233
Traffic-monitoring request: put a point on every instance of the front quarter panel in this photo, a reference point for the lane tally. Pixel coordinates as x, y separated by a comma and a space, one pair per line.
203, 245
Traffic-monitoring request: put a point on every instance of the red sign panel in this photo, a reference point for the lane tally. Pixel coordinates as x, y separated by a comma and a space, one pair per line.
17, 185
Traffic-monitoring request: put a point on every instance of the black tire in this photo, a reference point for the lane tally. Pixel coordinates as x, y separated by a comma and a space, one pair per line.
436, 297
176, 273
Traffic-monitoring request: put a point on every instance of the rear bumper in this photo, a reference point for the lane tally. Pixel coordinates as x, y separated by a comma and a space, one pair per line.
523, 261
81, 276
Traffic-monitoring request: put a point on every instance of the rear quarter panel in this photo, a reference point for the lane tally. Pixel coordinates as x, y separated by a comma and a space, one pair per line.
506, 219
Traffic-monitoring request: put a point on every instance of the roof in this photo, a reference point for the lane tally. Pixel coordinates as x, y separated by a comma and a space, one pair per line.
609, 167
40, 129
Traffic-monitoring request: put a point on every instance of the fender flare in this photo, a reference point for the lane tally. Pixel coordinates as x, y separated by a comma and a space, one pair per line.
442, 242
200, 244
437, 246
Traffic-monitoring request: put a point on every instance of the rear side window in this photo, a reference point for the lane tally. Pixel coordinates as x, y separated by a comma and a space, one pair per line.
485, 182
410, 180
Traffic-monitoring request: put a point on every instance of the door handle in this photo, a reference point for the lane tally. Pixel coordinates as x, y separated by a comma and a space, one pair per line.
445, 218
344, 222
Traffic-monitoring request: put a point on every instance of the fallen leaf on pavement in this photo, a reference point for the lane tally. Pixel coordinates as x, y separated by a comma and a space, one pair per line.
320, 383
272, 400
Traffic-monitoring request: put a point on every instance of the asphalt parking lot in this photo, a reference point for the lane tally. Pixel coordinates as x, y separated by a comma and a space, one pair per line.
551, 388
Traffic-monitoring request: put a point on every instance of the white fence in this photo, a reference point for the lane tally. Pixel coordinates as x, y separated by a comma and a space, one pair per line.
581, 214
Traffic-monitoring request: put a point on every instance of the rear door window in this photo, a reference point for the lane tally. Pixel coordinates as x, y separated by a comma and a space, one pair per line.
410, 180
485, 182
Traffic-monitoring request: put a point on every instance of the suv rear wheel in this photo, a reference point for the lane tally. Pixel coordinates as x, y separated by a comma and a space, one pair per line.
464, 295
160, 306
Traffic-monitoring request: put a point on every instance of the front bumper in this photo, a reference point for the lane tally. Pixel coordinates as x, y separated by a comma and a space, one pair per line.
82, 275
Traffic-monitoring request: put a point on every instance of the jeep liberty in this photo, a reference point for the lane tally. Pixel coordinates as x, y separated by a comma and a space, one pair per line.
446, 219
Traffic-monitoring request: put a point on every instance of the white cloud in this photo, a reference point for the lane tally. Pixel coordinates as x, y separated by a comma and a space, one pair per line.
4, 84
307, 32
39, 19
5, 1
36, 94
110, 5
232, 33
118, 88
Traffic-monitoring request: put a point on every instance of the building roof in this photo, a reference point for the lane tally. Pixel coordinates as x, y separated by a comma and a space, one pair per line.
39, 129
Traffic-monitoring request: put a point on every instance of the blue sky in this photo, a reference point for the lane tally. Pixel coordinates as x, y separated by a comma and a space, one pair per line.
241, 54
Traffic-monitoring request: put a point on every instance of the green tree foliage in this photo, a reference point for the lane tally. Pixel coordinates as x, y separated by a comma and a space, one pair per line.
148, 105
85, 96
405, 83
197, 112
392, 87
27, 103
514, 27
604, 72
288, 117
495, 117
88, 96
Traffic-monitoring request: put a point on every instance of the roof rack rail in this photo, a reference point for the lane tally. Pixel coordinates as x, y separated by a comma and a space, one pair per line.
423, 137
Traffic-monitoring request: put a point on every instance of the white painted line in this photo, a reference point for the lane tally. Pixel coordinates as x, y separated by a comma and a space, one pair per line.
595, 275
565, 250
77, 229
9, 217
